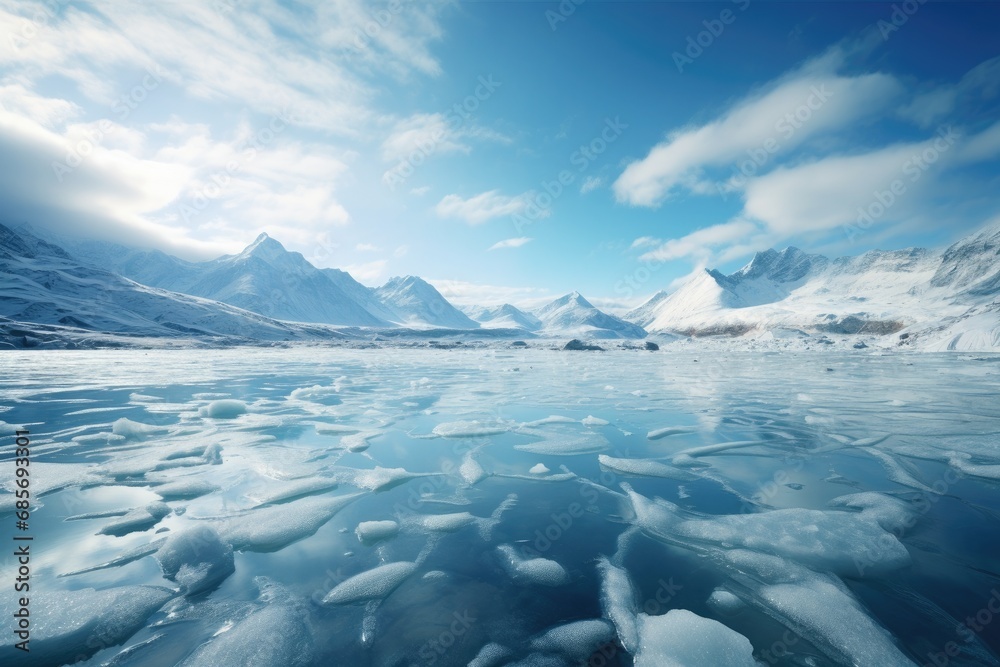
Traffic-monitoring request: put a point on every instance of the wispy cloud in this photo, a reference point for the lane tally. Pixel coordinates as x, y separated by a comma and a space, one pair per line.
590, 184
464, 293
511, 243
806, 103
482, 207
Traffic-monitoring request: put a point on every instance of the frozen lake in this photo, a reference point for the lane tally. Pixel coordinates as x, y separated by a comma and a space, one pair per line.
399, 507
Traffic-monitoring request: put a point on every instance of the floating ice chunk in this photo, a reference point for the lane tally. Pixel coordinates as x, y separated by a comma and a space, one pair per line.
129, 556
226, 408
852, 543
197, 559
890, 513
655, 517
141, 518
565, 445
98, 515
471, 471
144, 398
577, 640
842, 542
539, 469
672, 430
725, 603
469, 429
68, 626
358, 442
334, 429
380, 479
818, 607
681, 638
962, 462
897, 472
184, 489
132, 430
275, 636
371, 585
373, 532
317, 394
50, 477
591, 420
618, 602
540, 571
446, 523
644, 468
297, 489
276, 526
706, 450
491, 655
551, 419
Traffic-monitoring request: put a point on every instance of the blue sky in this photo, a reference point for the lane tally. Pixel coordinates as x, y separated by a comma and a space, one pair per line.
430, 138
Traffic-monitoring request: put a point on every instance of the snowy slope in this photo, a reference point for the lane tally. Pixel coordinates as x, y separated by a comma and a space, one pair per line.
505, 316
573, 315
877, 287
418, 304
267, 279
148, 267
645, 313
264, 278
362, 295
43, 284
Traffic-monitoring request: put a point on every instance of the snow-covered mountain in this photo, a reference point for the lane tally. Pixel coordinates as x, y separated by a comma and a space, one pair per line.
362, 295
42, 284
267, 279
572, 315
418, 304
913, 291
504, 316
645, 313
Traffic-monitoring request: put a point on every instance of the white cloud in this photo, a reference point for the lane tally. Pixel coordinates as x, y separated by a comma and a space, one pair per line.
482, 207
797, 107
366, 247
425, 133
421, 191
367, 272
307, 59
644, 242
701, 244
590, 184
934, 104
462, 293
511, 243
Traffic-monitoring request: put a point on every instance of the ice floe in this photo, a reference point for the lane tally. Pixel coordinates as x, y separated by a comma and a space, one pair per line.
577, 640
681, 638
527, 571
69, 625
374, 584
196, 558
618, 602
226, 408
373, 532
276, 526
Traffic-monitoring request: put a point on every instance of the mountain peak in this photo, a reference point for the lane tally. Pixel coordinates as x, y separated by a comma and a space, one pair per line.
264, 246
